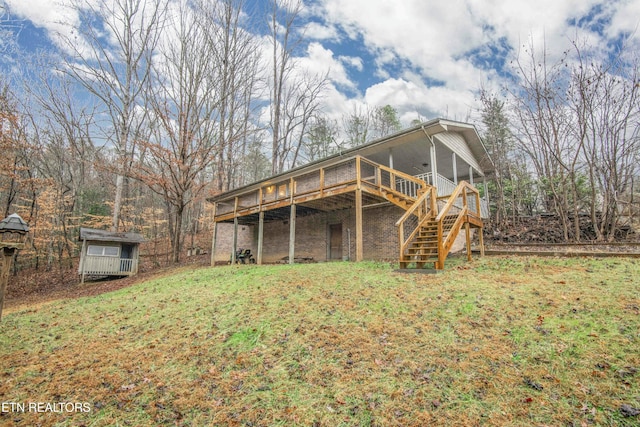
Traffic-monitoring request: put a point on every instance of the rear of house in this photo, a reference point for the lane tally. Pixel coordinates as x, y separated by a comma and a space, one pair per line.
379, 201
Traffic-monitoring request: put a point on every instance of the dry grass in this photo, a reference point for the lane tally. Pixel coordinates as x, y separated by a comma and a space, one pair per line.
498, 342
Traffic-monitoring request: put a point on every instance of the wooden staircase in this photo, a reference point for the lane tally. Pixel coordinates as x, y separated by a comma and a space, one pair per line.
427, 233
430, 224
398, 199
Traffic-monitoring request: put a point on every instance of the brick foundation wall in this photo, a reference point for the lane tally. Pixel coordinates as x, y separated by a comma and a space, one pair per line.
224, 241
380, 236
380, 233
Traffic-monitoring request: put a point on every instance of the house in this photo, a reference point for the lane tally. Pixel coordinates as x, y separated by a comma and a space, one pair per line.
405, 197
106, 253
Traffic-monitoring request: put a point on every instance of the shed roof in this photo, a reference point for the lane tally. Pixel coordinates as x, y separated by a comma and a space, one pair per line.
109, 236
13, 223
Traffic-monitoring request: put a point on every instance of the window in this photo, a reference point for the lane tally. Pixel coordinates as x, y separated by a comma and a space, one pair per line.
97, 250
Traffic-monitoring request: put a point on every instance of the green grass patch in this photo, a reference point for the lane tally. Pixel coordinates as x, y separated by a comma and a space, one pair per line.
497, 341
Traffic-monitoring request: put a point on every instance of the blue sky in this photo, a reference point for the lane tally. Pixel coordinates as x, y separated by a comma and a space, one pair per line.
426, 58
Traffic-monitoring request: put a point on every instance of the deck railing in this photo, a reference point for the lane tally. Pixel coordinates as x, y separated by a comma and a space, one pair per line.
424, 209
341, 177
461, 206
108, 266
445, 188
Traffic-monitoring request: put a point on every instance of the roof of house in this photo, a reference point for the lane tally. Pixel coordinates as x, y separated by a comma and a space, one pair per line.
109, 236
428, 129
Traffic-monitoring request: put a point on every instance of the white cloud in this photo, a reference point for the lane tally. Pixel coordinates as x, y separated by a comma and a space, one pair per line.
58, 17
317, 31
321, 61
412, 98
437, 41
426, 56
626, 19
352, 61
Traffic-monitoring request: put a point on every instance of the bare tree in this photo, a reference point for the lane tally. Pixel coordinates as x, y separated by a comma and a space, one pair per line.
384, 121
184, 99
497, 138
604, 98
321, 139
294, 93
112, 60
543, 131
237, 54
357, 126
62, 127
14, 167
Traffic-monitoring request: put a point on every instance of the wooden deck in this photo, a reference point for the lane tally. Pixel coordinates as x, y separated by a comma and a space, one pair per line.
357, 182
325, 189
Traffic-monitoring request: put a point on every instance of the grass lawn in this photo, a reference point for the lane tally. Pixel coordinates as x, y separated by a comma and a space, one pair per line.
495, 342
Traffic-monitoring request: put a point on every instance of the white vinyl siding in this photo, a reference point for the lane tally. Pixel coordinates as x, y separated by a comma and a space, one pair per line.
458, 145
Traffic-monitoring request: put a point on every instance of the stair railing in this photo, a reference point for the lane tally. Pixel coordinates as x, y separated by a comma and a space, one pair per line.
384, 178
424, 209
449, 228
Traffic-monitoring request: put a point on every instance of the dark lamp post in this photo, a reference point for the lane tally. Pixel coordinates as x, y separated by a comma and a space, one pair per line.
13, 233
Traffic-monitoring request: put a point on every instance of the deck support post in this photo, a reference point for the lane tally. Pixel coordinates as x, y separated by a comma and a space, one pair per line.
467, 230
292, 234
359, 240
468, 235
214, 237
213, 244
235, 240
260, 236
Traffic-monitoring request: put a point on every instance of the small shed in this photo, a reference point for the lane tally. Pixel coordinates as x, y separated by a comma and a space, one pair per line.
106, 253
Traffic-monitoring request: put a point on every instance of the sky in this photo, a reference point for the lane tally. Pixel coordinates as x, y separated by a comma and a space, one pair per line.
426, 58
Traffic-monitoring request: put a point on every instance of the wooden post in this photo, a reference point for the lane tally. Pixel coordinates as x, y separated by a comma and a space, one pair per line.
235, 240
260, 236
434, 201
214, 237
358, 195
401, 239
82, 260
440, 262
468, 233
213, 243
359, 240
5, 269
292, 234
466, 223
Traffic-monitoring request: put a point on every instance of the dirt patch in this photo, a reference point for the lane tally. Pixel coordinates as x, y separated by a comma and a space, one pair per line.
37, 286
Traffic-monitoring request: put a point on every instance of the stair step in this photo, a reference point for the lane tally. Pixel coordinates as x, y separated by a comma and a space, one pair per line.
423, 248
421, 244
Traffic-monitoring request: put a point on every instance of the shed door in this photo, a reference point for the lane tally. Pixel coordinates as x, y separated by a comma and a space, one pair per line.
126, 263
335, 241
